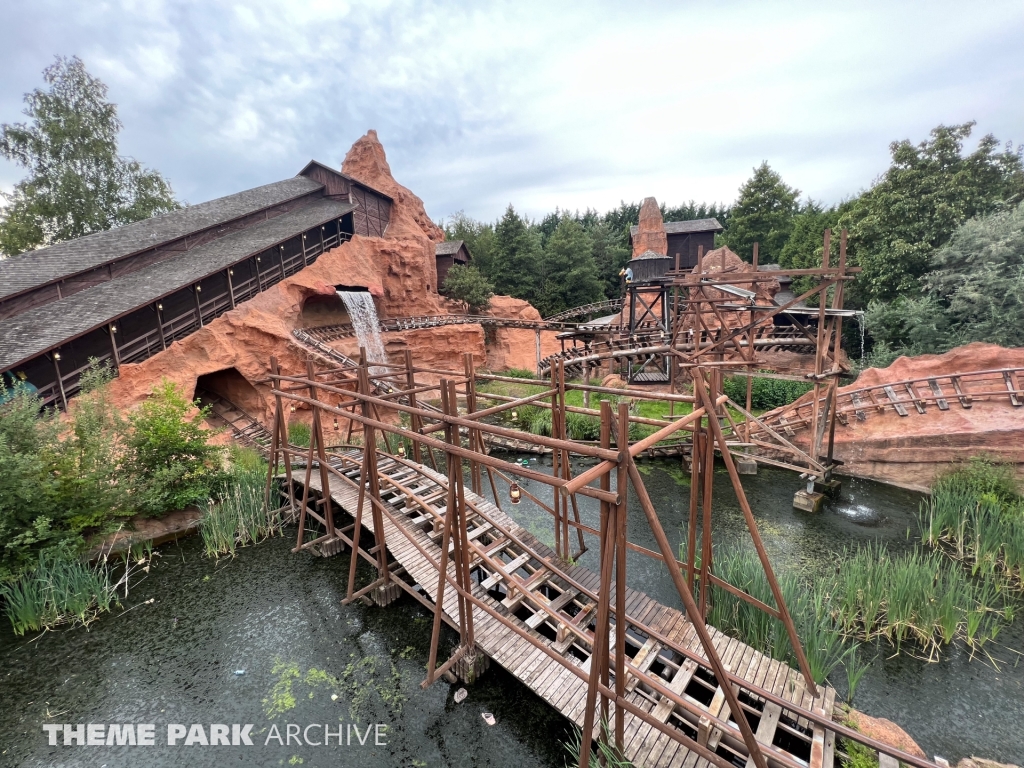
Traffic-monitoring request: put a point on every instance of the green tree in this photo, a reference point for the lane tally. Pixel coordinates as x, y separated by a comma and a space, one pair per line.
930, 189
171, 459
611, 253
77, 183
479, 239
764, 213
516, 257
465, 283
570, 275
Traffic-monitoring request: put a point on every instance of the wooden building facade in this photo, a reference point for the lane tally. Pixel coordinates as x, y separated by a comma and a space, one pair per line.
685, 237
448, 254
125, 294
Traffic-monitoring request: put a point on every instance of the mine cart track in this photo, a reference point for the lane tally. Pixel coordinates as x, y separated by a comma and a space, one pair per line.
611, 307
245, 429
907, 397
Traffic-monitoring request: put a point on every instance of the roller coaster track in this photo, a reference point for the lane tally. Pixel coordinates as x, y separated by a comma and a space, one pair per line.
327, 333
610, 306
903, 398
643, 345
315, 346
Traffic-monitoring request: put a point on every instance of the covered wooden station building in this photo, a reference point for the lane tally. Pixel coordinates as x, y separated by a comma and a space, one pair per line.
125, 294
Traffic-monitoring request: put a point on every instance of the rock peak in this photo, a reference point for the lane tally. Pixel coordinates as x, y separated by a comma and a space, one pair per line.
367, 162
650, 235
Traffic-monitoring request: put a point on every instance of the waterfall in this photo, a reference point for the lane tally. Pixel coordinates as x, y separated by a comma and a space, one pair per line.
860, 324
367, 327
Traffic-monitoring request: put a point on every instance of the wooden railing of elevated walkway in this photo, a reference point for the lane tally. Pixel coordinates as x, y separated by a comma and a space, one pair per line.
672, 690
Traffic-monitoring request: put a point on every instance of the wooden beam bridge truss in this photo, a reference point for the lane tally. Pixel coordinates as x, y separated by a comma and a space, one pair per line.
655, 682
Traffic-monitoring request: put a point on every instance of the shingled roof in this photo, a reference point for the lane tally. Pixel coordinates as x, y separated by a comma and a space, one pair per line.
35, 268
38, 330
686, 227
448, 248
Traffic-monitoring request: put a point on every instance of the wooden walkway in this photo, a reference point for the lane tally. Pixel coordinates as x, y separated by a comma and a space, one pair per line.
416, 496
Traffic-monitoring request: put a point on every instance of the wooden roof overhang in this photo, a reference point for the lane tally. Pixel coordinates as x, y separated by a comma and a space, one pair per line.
47, 327
35, 269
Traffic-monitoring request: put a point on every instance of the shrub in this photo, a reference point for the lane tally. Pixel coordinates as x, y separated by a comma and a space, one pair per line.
765, 394
171, 461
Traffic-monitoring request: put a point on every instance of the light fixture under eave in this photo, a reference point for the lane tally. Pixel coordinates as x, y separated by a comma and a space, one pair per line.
231, 273
113, 329
160, 307
514, 493
56, 356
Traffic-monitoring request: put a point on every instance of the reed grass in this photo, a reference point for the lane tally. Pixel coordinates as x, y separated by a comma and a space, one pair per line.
240, 517
916, 597
826, 648
61, 589
976, 516
299, 434
604, 754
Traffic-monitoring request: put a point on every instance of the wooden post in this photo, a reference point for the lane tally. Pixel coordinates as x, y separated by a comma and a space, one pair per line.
700, 259
621, 481
599, 651
231, 287
317, 434
837, 303
196, 290
159, 309
538, 350
415, 421
755, 256
60, 379
815, 440
111, 329
259, 276
475, 441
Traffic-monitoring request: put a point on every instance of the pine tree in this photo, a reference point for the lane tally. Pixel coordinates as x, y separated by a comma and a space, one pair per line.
763, 214
570, 275
516, 257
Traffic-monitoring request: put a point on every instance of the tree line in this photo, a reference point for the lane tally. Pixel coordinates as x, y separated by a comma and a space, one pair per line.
939, 237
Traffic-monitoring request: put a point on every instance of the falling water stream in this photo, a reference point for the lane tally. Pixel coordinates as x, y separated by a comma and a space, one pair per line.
367, 327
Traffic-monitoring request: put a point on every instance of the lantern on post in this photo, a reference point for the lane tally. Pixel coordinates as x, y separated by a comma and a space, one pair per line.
335, 423
514, 493
401, 449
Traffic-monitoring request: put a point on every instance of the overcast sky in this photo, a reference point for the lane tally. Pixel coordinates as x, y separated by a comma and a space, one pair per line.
538, 104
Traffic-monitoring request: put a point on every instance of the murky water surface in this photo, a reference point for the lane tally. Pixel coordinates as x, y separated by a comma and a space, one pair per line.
278, 617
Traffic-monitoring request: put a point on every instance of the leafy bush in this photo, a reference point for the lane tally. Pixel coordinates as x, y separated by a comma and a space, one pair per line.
765, 394
171, 460
519, 373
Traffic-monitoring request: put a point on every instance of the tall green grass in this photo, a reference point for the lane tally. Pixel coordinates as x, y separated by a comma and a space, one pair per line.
299, 434
976, 515
240, 517
61, 589
825, 647
916, 597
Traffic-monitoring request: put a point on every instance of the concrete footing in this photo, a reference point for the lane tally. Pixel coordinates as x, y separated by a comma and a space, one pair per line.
808, 501
471, 666
385, 594
746, 465
830, 488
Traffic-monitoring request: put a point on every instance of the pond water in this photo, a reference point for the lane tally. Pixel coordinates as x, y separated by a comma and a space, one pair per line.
277, 616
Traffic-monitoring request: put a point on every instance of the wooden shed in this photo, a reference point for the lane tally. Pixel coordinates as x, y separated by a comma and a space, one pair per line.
685, 237
449, 253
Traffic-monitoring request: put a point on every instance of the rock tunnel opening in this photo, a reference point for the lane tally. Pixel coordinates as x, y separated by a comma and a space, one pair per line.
225, 388
322, 309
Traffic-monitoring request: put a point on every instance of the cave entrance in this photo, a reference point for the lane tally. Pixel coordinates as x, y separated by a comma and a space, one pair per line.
226, 391
322, 309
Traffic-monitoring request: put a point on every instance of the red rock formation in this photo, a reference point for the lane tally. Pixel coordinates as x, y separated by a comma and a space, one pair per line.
910, 451
650, 234
399, 269
886, 731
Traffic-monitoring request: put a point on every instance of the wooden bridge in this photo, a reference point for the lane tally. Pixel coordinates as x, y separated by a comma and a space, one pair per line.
653, 682
522, 580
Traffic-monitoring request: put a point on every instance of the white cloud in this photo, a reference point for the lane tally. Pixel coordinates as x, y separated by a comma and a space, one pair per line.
538, 104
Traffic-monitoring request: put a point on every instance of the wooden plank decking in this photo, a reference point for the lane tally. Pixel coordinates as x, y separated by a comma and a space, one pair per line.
526, 563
